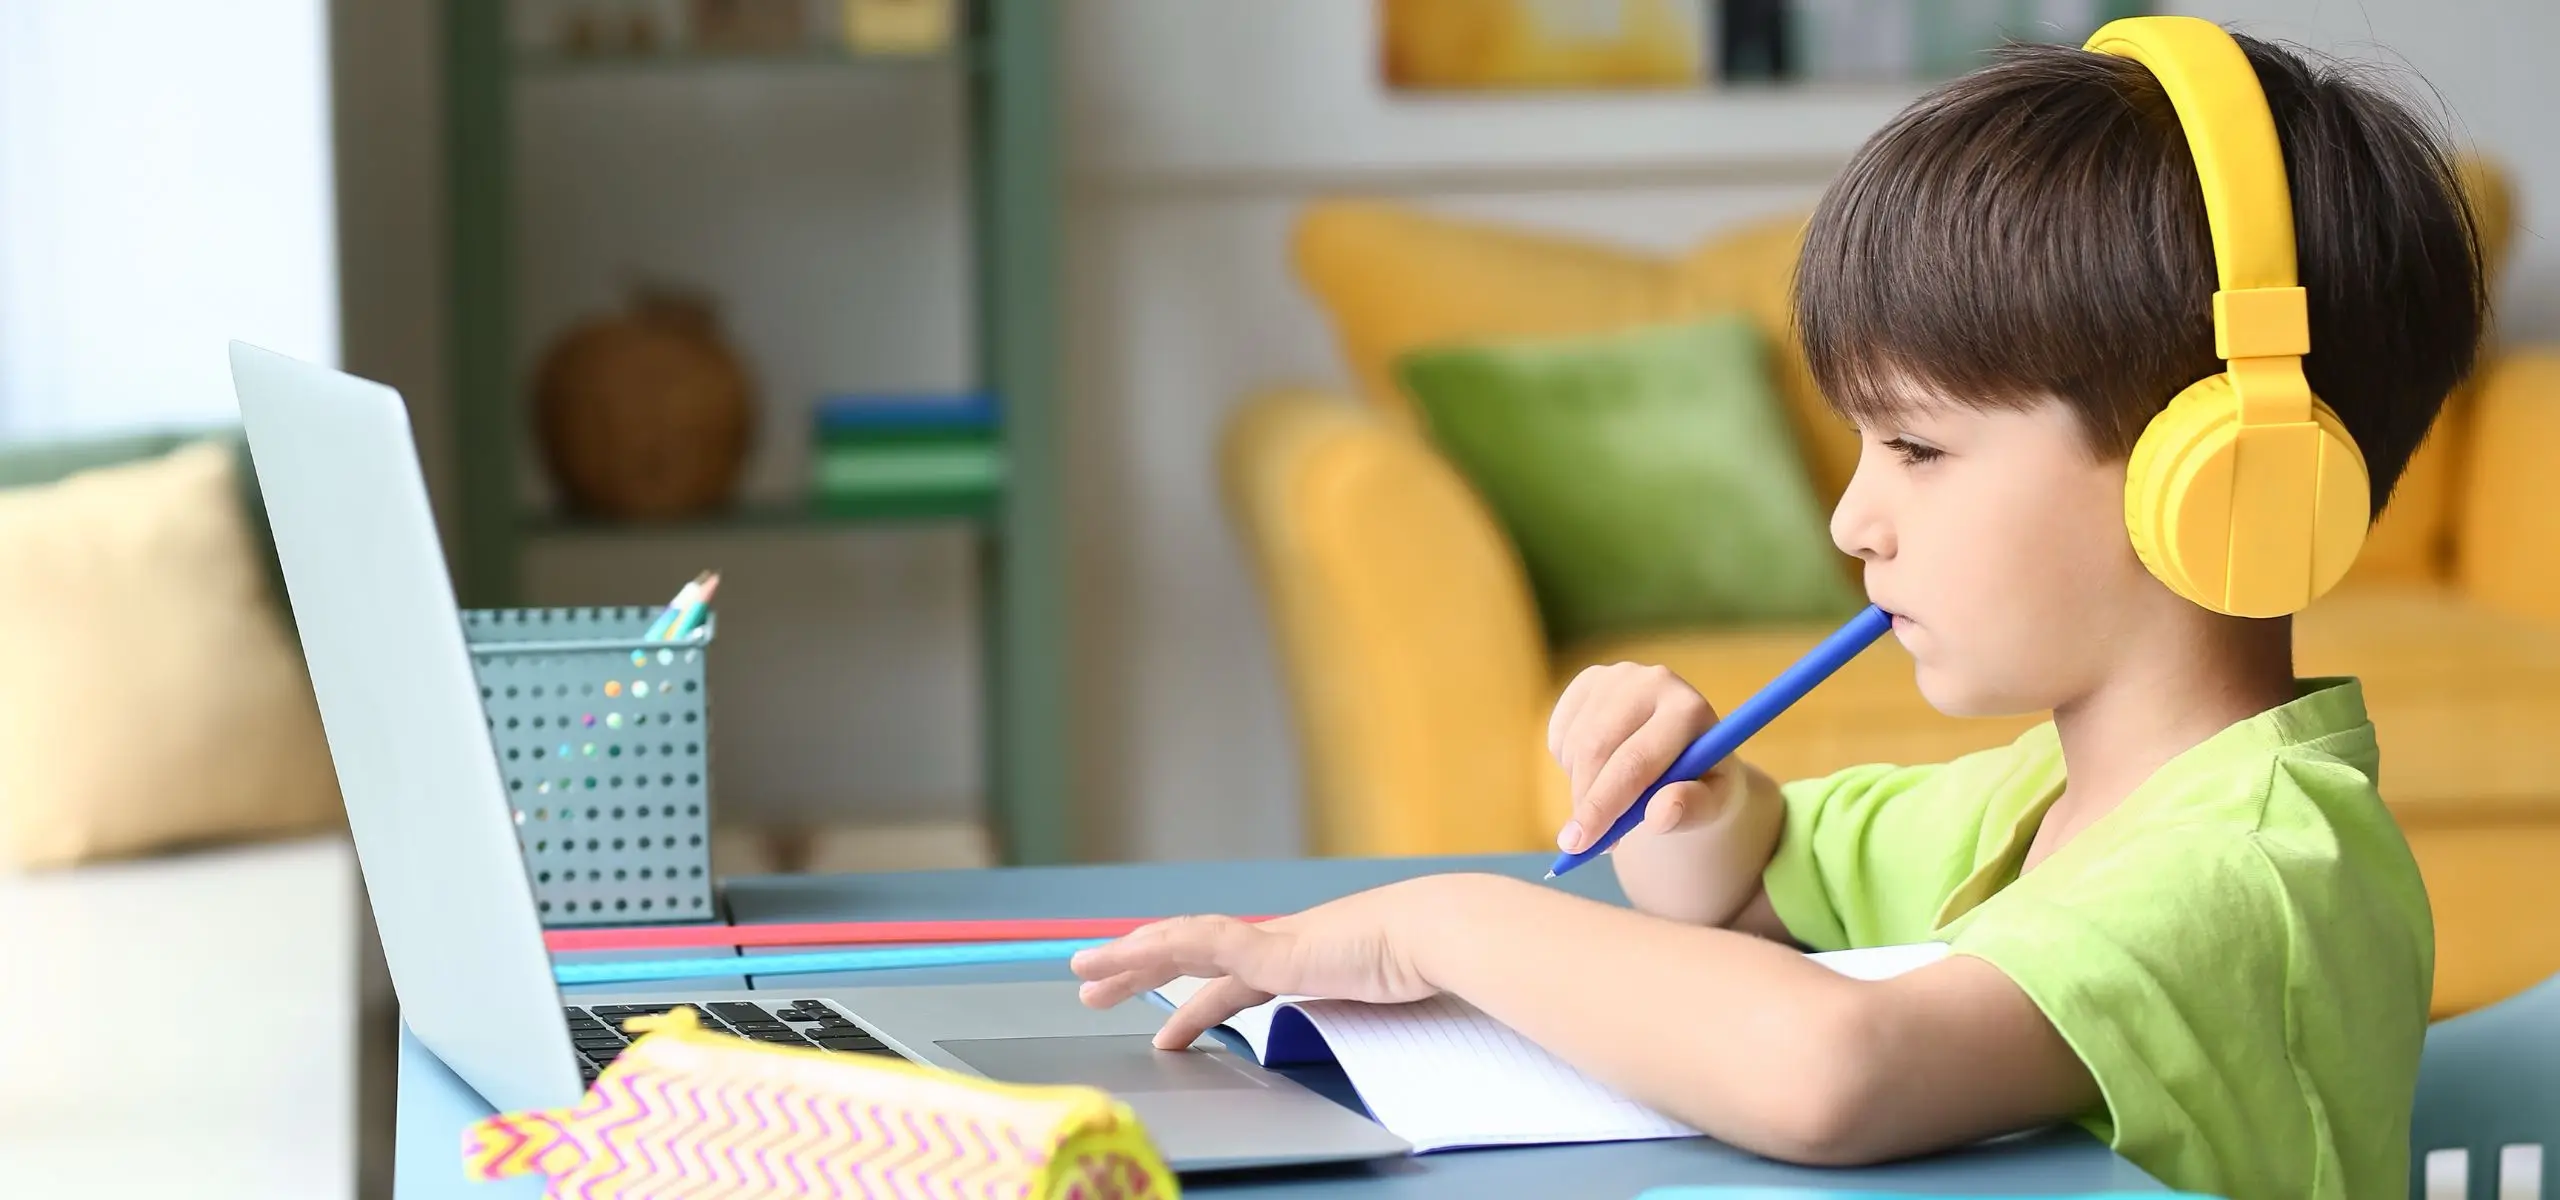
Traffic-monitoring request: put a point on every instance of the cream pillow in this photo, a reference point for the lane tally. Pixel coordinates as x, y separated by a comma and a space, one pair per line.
152, 698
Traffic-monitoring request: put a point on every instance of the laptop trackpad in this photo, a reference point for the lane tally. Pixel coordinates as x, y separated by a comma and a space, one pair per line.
1120, 1063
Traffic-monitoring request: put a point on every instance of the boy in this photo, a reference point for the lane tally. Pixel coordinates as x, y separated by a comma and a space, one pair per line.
2178, 911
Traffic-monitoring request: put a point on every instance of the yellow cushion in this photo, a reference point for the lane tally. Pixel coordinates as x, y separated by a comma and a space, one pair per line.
1404, 701
2413, 541
2489, 882
1396, 279
2507, 529
2464, 700
152, 699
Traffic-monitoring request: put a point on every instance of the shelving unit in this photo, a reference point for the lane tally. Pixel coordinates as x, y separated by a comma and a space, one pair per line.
1008, 49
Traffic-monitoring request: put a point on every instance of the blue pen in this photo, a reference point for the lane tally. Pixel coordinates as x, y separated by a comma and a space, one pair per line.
1738, 725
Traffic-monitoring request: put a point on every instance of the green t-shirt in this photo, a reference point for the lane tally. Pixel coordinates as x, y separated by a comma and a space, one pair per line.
2241, 952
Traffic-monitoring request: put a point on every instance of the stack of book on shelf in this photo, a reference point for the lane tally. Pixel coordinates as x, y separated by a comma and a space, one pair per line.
906, 454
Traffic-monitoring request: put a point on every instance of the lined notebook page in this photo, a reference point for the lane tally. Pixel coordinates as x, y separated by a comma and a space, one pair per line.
1441, 1074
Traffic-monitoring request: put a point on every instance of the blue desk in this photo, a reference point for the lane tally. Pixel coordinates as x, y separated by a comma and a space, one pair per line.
435, 1105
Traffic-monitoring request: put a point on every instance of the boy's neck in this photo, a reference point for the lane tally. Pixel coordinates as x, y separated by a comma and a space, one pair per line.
2160, 702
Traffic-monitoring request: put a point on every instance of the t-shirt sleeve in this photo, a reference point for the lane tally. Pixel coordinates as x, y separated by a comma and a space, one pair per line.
1866, 853
2166, 969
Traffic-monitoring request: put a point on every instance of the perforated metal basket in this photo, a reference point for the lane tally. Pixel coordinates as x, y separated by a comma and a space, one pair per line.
603, 739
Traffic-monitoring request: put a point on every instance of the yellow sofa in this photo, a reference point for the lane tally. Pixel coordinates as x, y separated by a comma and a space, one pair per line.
1420, 675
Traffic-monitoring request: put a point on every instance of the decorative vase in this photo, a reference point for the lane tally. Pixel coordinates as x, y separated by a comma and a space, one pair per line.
646, 414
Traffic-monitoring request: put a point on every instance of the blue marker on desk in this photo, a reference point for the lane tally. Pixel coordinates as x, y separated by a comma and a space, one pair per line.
1738, 725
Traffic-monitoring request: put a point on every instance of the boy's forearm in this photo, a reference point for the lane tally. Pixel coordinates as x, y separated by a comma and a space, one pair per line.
1762, 1048
1708, 874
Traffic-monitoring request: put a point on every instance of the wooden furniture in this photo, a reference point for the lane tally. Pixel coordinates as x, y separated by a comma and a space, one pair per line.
1007, 48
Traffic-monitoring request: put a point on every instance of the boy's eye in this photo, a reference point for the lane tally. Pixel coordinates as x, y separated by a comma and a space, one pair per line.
1912, 452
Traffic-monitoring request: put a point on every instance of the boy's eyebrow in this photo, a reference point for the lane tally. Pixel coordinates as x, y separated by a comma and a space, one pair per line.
1895, 405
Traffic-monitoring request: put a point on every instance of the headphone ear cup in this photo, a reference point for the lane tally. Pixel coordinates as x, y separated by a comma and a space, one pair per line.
2170, 444
2190, 512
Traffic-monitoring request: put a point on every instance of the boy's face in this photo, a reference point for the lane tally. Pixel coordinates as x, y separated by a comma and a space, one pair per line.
1997, 540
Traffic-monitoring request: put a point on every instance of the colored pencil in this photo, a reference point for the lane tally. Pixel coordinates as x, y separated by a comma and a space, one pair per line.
882, 959
842, 933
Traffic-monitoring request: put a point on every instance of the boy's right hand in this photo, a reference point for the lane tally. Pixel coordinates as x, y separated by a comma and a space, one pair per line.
1615, 730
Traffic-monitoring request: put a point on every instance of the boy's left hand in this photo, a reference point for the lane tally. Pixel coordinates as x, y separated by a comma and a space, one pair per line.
1355, 948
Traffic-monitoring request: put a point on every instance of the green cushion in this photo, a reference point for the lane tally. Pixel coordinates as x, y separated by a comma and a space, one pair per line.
1648, 477
30, 463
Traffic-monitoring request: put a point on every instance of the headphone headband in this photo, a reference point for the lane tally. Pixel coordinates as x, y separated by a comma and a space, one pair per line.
2245, 494
2259, 311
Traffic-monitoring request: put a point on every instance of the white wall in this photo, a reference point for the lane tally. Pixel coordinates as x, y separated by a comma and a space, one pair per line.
1198, 128
165, 186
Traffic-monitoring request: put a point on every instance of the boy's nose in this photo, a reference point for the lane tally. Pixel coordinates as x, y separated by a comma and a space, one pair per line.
1858, 524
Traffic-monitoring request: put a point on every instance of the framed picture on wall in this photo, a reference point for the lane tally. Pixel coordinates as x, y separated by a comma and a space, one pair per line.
1503, 45
1618, 45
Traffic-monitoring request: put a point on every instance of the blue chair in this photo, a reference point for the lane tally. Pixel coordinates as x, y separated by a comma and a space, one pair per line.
2489, 1101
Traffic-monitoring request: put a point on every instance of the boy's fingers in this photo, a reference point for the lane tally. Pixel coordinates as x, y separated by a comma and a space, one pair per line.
1206, 947
1206, 1010
1112, 957
1604, 725
1187, 945
1568, 704
1668, 808
1679, 804
1638, 761
1104, 993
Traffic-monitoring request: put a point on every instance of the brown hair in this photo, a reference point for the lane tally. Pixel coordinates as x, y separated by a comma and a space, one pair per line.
2035, 230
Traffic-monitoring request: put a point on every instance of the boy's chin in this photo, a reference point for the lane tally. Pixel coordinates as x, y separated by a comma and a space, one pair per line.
1955, 696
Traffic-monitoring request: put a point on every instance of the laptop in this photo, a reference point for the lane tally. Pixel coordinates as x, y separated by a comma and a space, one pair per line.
435, 838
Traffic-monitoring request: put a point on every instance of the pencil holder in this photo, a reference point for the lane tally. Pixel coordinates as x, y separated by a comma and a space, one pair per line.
602, 737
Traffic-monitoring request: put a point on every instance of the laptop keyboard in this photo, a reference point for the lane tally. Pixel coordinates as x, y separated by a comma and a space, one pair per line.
597, 1029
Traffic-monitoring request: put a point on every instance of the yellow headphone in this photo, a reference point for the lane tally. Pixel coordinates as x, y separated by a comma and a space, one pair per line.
2245, 495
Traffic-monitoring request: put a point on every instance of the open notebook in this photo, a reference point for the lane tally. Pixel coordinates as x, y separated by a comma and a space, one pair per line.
1441, 1075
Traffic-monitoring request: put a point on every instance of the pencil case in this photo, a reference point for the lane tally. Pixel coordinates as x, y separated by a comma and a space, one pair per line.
686, 1112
